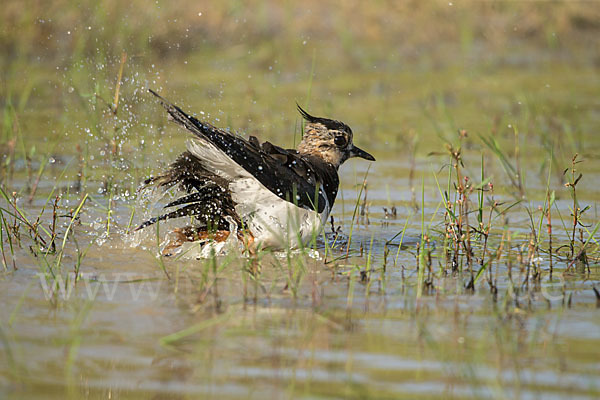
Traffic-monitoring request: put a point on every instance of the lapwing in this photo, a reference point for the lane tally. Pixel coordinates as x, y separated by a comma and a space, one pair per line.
268, 196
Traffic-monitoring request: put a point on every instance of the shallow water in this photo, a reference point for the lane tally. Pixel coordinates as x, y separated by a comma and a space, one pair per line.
296, 324
126, 329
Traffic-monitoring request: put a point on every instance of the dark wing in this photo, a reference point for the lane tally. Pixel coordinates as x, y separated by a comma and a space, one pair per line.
207, 197
285, 173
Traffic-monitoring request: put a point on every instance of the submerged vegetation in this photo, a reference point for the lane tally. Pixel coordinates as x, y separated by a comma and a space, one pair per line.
463, 263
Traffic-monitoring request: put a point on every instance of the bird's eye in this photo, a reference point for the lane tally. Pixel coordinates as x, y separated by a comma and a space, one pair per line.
340, 141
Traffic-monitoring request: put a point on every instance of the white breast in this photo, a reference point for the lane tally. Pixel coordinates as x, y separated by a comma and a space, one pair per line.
273, 221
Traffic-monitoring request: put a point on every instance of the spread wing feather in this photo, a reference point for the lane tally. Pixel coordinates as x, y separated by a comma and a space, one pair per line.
291, 176
207, 199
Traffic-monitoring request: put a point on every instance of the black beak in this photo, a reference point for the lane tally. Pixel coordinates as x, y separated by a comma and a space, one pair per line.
356, 152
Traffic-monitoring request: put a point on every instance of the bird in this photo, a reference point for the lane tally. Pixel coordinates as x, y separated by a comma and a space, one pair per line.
268, 196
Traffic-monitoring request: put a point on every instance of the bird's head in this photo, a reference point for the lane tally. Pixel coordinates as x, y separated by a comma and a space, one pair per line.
329, 139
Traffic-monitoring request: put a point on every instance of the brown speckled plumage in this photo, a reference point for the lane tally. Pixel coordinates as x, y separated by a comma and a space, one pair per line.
306, 177
328, 139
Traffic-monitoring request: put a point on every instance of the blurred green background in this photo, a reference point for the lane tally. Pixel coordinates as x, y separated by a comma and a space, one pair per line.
407, 76
391, 69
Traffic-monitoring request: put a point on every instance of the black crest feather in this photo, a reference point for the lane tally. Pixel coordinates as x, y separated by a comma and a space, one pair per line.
329, 123
307, 116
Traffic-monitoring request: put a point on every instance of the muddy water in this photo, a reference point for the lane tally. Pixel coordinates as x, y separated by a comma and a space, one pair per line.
212, 328
300, 324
